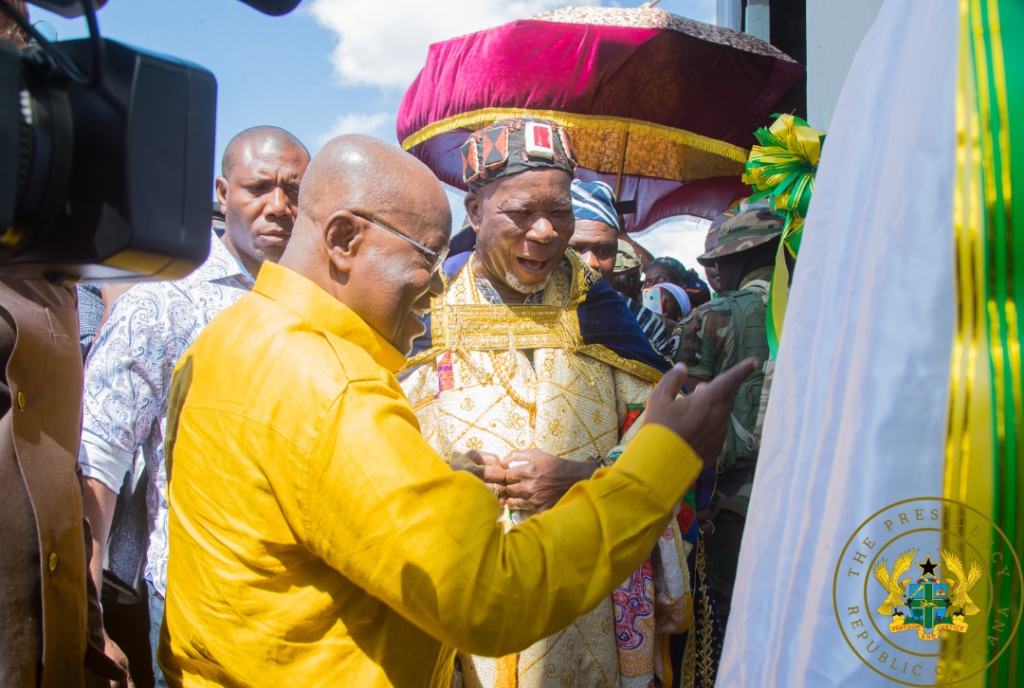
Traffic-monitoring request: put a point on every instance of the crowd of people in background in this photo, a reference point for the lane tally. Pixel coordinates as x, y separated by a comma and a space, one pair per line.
349, 449
361, 444
132, 339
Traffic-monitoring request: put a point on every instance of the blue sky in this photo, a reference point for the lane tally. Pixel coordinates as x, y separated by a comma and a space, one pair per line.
279, 70
329, 67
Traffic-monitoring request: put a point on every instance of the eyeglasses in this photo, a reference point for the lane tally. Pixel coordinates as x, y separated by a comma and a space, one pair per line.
435, 259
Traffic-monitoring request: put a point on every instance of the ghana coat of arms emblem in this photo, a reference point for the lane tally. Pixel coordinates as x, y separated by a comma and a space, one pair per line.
928, 603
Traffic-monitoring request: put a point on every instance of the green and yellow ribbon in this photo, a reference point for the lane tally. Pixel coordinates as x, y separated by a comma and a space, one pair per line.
782, 170
984, 462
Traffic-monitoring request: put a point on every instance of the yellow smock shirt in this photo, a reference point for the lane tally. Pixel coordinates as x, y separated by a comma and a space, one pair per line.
317, 539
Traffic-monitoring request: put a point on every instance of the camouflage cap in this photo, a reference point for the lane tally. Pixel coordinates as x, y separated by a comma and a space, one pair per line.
716, 226
625, 258
743, 232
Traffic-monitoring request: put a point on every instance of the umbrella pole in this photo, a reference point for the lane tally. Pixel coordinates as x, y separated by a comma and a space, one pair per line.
622, 164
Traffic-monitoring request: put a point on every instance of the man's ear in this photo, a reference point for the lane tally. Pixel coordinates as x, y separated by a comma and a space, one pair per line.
343, 238
473, 210
221, 185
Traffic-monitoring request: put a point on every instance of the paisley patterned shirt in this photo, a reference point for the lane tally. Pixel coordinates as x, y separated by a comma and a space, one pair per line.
128, 376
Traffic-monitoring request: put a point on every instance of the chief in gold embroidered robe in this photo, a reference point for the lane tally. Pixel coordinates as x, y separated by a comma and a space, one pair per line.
500, 378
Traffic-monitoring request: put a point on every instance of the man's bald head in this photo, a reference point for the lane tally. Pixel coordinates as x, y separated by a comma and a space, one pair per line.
372, 222
264, 136
365, 173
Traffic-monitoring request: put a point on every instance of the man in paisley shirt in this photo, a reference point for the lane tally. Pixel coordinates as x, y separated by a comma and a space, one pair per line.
128, 372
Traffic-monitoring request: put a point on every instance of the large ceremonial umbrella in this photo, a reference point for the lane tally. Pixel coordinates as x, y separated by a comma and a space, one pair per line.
661, 107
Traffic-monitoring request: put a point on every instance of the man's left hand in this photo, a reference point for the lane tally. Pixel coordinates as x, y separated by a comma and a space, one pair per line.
538, 480
485, 466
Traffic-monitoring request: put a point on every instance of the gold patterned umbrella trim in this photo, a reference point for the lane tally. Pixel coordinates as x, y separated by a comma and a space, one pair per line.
478, 118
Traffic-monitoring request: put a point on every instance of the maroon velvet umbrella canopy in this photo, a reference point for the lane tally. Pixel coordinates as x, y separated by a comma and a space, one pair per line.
661, 107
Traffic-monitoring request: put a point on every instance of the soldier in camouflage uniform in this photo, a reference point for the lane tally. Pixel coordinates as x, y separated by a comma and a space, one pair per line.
715, 337
710, 243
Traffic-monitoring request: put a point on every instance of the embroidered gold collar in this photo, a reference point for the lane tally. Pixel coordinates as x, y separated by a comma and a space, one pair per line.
462, 321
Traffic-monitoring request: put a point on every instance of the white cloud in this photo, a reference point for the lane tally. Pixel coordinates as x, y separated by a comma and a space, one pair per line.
379, 124
384, 43
680, 237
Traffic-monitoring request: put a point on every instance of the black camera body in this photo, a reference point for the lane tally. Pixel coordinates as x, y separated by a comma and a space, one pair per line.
108, 177
73, 8
106, 182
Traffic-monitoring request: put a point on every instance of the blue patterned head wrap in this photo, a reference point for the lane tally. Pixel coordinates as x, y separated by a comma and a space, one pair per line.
594, 201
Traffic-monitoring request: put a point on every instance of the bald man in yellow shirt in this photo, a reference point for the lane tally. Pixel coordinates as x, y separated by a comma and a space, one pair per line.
315, 537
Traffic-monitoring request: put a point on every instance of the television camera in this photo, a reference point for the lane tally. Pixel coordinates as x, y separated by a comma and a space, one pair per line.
107, 159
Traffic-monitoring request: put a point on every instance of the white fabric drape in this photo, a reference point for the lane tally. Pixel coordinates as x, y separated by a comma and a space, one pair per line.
857, 414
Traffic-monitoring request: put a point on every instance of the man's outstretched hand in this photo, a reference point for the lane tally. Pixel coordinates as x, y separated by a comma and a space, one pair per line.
485, 466
702, 417
536, 480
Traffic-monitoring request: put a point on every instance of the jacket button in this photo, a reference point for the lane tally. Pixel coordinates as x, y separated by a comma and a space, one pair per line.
21, 400
52, 563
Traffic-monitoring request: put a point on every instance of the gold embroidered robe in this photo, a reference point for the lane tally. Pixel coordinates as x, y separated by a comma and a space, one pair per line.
500, 378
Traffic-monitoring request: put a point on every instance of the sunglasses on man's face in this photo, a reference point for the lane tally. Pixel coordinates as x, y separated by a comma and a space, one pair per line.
434, 259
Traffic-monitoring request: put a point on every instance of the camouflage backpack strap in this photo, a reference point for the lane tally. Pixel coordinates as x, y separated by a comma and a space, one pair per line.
766, 389
761, 284
749, 439
748, 316
748, 310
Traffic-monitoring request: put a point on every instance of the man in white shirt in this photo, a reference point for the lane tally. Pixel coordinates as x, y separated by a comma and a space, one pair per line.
128, 372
